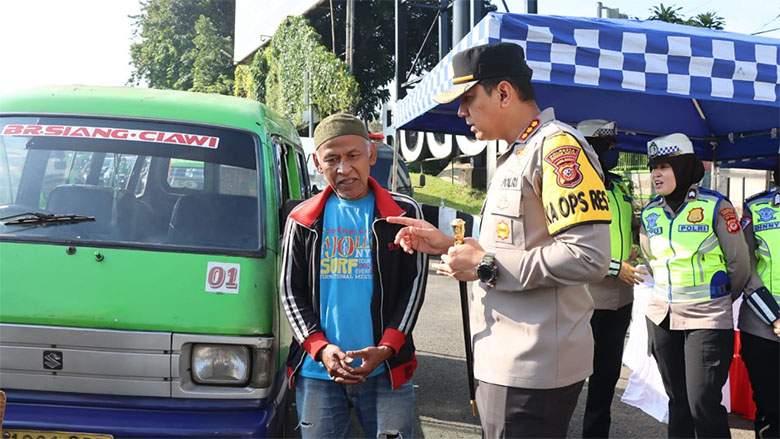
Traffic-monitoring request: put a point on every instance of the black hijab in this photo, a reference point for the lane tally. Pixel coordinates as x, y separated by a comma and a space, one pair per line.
688, 169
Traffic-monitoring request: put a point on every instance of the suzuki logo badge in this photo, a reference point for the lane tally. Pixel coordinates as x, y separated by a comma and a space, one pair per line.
52, 360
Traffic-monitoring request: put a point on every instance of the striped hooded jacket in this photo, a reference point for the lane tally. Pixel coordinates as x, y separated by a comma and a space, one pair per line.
399, 282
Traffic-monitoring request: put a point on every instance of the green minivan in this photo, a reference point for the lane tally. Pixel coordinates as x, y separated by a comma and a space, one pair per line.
139, 256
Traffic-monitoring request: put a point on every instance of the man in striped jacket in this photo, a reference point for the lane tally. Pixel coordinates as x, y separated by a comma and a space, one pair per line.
351, 295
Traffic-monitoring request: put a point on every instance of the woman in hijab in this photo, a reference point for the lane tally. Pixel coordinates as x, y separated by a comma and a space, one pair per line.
693, 243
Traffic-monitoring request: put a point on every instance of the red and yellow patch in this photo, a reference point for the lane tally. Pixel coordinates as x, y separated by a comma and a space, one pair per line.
564, 158
572, 191
730, 215
529, 129
696, 215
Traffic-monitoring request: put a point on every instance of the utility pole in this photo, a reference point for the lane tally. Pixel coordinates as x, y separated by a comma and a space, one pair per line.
460, 20
444, 29
532, 7
400, 79
350, 32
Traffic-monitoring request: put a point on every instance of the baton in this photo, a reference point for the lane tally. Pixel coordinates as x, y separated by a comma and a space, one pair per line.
459, 230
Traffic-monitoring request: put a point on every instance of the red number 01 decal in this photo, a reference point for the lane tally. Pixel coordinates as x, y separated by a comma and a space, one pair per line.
222, 277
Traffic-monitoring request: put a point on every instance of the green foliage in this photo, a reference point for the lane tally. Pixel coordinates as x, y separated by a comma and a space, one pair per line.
212, 55
671, 14
184, 45
668, 14
295, 49
374, 43
707, 19
250, 79
455, 196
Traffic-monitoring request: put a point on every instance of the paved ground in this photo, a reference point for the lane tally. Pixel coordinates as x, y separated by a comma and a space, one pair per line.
442, 403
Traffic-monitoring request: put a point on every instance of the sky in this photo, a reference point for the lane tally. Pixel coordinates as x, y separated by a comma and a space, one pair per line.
88, 41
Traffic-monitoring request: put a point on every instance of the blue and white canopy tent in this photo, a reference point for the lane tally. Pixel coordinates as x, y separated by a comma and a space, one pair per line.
721, 89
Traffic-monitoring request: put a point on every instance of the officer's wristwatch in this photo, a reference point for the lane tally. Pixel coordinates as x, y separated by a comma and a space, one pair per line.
487, 271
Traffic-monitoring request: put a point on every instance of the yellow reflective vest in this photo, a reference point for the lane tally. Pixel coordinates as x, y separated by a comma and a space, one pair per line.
764, 209
620, 228
687, 262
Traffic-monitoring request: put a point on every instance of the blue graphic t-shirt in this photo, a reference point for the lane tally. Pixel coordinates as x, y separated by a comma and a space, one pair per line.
346, 279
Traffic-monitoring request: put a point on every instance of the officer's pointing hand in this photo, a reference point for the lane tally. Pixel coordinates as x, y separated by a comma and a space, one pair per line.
420, 235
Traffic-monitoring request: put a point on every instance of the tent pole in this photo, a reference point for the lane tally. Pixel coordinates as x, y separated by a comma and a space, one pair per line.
715, 171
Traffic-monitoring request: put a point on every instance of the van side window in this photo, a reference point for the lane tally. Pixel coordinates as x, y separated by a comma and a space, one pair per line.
303, 173
280, 162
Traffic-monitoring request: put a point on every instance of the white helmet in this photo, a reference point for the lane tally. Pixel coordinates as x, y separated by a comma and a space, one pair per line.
668, 146
597, 128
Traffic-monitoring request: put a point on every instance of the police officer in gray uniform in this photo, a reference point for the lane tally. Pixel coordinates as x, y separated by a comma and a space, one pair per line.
544, 234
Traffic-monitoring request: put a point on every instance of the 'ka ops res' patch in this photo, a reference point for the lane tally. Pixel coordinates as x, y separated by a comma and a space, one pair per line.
572, 191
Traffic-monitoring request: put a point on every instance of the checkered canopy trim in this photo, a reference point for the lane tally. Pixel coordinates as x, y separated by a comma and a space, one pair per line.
624, 55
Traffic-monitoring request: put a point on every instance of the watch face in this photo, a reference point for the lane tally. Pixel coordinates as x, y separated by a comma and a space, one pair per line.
486, 272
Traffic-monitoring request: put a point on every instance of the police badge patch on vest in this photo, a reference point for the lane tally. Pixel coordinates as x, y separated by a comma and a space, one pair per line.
572, 191
696, 215
730, 215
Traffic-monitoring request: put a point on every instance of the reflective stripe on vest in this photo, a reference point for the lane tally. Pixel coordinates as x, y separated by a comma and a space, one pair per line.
688, 264
766, 228
620, 228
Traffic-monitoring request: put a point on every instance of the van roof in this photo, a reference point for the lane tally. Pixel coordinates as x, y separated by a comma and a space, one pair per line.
172, 105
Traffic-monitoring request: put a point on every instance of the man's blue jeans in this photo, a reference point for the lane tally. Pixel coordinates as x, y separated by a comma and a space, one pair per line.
324, 405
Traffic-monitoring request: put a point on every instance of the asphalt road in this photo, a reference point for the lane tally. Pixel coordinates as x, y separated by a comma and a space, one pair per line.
441, 394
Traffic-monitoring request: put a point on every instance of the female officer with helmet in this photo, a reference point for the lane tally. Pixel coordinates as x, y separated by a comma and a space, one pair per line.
759, 316
694, 246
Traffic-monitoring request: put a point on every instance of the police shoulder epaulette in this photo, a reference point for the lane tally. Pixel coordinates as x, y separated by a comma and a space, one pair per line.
713, 193
755, 197
653, 201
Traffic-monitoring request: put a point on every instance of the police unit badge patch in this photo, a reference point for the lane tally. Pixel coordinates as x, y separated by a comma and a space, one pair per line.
696, 215
572, 191
564, 158
730, 215
766, 214
650, 225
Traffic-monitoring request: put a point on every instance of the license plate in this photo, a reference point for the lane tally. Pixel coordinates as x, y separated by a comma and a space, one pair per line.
36, 434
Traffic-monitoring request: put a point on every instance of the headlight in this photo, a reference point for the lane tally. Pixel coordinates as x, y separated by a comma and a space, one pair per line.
220, 364
262, 372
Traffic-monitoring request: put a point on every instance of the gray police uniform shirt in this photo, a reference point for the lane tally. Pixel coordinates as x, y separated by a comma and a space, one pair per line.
712, 314
546, 217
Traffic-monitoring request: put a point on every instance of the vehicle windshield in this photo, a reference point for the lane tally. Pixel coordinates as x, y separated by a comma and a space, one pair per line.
382, 171
145, 183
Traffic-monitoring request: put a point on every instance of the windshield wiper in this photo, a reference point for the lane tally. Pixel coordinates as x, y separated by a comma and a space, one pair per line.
45, 218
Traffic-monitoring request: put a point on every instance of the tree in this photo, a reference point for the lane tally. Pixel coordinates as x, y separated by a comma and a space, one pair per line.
374, 43
671, 15
707, 19
184, 45
276, 74
667, 14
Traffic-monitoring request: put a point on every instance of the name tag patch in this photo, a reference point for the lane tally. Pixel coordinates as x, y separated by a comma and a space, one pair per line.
693, 228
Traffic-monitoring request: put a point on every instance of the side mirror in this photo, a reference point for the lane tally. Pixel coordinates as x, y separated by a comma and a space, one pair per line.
422, 180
